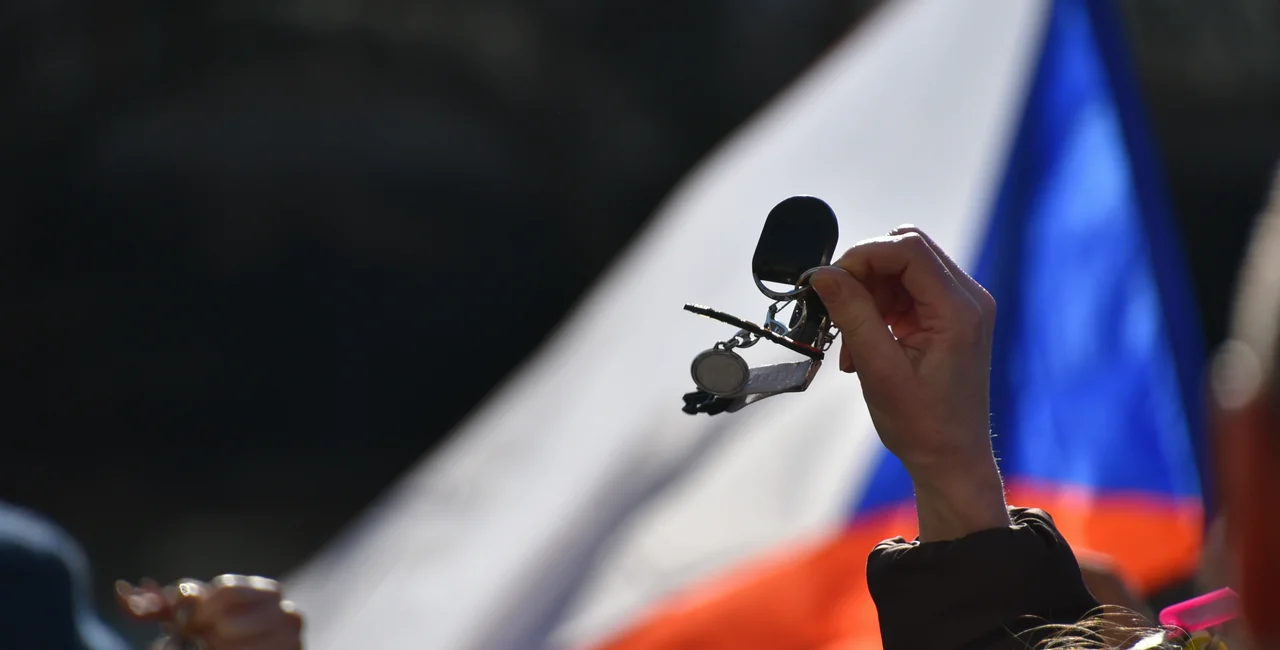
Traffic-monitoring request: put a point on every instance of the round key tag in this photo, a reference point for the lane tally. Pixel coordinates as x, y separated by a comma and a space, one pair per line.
720, 372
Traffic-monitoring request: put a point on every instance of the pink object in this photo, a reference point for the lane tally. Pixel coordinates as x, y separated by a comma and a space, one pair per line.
1202, 612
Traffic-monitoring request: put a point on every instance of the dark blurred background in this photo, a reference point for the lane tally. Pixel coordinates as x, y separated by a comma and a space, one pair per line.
261, 256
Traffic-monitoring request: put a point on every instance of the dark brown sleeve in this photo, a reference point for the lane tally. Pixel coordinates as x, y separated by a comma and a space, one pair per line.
980, 591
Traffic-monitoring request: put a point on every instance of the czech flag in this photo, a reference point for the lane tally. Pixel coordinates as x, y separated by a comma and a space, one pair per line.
579, 508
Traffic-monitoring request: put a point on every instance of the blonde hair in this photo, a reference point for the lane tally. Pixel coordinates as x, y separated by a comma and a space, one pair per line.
1109, 628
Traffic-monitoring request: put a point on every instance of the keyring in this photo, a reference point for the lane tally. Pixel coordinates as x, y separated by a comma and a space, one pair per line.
798, 238
789, 295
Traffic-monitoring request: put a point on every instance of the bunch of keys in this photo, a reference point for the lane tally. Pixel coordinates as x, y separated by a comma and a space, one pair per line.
799, 237
171, 607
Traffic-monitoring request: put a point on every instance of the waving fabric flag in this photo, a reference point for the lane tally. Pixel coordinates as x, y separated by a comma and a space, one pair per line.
1093, 372
580, 508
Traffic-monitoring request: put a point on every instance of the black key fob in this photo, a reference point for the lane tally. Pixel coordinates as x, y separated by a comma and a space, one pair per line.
799, 234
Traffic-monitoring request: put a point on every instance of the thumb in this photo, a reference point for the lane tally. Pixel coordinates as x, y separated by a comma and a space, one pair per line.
865, 335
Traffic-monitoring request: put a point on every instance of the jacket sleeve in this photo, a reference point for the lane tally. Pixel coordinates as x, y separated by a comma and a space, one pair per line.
980, 591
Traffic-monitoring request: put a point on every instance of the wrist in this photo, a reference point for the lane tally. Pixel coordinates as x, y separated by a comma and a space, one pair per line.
959, 498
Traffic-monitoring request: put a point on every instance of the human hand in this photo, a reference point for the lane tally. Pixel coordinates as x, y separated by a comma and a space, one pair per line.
917, 330
1106, 581
230, 612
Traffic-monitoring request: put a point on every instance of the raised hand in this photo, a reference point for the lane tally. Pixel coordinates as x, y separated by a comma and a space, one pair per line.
917, 330
230, 612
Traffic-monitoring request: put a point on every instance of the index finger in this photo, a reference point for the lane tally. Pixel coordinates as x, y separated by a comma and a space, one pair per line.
146, 602
975, 290
910, 258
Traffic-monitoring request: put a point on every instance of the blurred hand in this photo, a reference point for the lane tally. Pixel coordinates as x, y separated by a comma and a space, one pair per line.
1105, 581
1215, 566
917, 330
230, 612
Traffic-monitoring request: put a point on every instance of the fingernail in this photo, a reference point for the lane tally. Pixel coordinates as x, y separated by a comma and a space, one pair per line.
828, 288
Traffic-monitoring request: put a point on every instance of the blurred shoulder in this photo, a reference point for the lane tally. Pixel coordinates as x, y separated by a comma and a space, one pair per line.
31, 543
44, 587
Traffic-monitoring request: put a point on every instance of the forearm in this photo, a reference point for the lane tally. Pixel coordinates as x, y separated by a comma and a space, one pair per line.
959, 498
